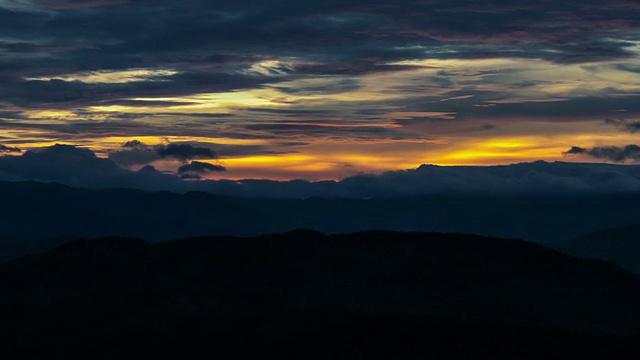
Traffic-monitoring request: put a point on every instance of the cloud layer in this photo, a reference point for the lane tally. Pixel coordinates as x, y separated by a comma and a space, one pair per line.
611, 153
324, 79
80, 167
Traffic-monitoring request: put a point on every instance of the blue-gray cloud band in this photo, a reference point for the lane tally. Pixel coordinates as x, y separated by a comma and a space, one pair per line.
80, 167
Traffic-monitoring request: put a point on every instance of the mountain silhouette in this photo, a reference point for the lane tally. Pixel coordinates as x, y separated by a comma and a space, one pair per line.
621, 245
37, 211
304, 294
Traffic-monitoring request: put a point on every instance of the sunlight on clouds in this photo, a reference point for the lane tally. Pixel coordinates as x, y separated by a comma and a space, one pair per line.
285, 166
506, 149
501, 151
553, 79
271, 68
466, 65
52, 114
208, 103
365, 105
372, 87
155, 140
286, 160
109, 77
256, 97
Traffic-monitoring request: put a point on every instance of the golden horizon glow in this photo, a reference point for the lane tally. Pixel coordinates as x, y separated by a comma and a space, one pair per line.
300, 128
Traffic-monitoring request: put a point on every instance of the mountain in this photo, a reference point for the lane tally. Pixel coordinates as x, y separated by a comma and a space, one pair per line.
621, 245
42, 211
304, 294
39, 211
13, 248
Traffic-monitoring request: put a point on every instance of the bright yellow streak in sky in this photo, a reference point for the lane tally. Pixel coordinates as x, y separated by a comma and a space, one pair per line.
281, 160
53, 114
512, 149
108, 77
155, 140
211, 103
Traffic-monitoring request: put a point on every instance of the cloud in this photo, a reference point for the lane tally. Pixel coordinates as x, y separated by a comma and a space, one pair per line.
317, 71
163, 55
80, 167
611, 153
137, 152
136, 156
140, 153
624, 125
71, 5
4, 148
134, 144
200, 168
190, 176
575, 150
184, 151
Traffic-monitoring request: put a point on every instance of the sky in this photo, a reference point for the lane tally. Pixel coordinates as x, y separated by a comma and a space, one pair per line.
318, 89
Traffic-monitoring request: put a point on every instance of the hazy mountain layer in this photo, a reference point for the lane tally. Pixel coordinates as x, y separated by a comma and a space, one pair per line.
38, 211
621, 245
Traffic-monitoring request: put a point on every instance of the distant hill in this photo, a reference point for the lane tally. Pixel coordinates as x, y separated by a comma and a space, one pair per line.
304, 294
621, 245
13, 248
38, 211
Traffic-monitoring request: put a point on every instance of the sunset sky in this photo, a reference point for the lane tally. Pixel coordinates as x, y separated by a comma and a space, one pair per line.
321, 89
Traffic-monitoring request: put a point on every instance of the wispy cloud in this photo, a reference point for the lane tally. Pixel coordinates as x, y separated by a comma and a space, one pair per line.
341, 74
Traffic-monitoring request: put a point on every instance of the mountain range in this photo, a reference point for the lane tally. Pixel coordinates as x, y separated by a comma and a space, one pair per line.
44, 211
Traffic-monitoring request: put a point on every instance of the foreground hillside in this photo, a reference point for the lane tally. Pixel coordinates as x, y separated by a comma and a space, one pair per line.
308, 295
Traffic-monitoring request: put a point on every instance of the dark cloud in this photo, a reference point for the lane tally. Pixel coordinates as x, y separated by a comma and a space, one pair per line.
183, 151
137, 152
80, 167
624, 125
611, 153
134, 144
73, 5
500, 104
141, 153
575, 150
199, 167
332, 36
134, 157
190, 176
336, 87
4, 148
297, 129
67, 93
353, 69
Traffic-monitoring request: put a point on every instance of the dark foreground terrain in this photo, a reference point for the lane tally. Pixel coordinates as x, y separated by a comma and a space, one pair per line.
369, 295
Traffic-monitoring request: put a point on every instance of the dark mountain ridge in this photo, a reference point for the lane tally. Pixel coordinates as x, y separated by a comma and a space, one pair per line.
304, 294
39, 211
